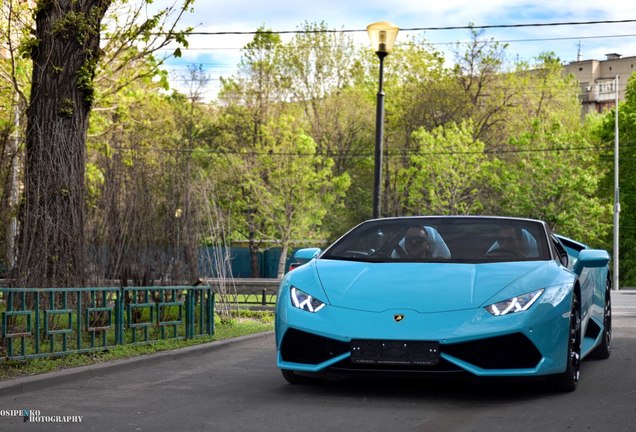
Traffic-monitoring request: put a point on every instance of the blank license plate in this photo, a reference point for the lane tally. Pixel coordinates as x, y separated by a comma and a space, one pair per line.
394, 352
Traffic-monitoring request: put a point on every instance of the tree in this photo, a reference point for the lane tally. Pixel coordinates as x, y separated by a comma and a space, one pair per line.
319, 72
251, 98
145, 218
446, 172
627, 178
316, 66
554, 174
349, 118
293, 196
487, 95
15, 23
65, 51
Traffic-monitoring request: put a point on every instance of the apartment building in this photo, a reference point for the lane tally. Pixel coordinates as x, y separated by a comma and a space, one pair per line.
597, 79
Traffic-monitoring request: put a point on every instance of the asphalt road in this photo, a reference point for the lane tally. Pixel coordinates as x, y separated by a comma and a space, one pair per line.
237, 387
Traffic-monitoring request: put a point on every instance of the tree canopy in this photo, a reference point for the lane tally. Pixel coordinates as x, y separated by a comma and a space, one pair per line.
126, 179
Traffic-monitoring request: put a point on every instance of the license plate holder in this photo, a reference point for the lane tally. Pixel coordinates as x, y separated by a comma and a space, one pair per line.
393, 352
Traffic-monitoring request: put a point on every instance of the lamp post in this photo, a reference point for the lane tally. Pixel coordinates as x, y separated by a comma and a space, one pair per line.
382, 36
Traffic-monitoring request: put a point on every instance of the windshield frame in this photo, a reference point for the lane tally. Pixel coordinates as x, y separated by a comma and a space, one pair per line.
479, 231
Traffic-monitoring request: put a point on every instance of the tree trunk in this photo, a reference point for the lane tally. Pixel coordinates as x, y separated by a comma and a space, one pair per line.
282, 260
65, 53
254, 257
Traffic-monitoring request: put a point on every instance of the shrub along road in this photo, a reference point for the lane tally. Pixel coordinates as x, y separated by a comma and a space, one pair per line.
237, 387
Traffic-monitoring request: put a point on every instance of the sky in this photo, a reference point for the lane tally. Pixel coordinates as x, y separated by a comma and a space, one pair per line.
218, 55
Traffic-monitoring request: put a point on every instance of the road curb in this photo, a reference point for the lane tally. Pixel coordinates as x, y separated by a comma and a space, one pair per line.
37, 382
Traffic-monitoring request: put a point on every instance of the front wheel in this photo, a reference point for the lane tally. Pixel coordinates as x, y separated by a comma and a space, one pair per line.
568, 380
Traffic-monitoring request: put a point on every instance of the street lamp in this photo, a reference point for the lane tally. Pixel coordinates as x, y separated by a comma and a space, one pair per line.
382, 36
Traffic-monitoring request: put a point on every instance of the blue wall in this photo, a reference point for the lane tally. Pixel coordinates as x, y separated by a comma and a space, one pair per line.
240, 262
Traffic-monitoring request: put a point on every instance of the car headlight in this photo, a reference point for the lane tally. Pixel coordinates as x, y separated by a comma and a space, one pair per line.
515, 304
304, 301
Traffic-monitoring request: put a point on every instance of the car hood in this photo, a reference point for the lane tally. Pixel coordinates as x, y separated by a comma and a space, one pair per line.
426, 287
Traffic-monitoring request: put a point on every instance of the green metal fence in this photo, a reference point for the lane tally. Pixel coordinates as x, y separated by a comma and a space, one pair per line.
253, 294
56, 321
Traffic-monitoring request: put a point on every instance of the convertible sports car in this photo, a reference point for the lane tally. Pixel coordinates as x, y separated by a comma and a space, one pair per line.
481, 296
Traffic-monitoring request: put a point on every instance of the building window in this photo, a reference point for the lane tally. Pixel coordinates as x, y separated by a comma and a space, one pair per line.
606, 86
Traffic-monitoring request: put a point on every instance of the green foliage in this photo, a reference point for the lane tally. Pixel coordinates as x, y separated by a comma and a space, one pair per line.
555, 177
288, 151
477, 138
76, 25
28, 46
320, 70
286, 188
420, 90
85, 77
627, 178
299, 185
446, 172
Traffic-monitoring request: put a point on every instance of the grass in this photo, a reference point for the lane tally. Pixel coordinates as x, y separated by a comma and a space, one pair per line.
244, 323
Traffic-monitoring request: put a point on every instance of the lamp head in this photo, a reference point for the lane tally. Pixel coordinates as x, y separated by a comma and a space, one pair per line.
382, 35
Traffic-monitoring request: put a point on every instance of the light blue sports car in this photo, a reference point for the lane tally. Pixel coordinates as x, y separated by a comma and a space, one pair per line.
474, 295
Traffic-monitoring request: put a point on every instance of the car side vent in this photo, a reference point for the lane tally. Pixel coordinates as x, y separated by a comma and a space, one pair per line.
302, 347
593, 330
513, 351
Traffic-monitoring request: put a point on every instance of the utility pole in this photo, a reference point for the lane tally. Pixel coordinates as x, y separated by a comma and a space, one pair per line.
617, 204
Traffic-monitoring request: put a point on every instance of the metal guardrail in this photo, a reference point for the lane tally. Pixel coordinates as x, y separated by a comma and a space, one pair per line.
57, 321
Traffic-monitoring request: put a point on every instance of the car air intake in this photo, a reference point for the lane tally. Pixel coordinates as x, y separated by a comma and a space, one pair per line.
513, 351
302, 347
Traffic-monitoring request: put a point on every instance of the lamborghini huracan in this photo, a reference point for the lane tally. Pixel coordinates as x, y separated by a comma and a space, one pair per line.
445, 295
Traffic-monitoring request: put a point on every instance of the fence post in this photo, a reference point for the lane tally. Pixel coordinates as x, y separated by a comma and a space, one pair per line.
37, 322
6, 321
78, 324
189, 314
119, 317
211, 301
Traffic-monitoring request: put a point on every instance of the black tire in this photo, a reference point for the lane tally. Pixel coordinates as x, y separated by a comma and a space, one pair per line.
568, 380
293, 378
604, 350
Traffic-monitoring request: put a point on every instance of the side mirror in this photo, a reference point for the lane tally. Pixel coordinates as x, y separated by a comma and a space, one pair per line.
306, 254
303, 256
591, 258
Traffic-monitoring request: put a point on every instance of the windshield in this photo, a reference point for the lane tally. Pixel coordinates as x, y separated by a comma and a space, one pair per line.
443, 239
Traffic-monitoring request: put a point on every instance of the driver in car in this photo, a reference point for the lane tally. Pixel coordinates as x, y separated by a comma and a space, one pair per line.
509, 240
417, 243
421, 242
